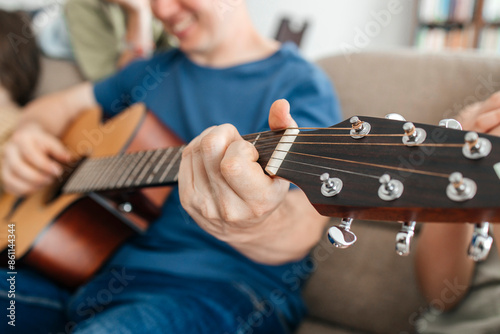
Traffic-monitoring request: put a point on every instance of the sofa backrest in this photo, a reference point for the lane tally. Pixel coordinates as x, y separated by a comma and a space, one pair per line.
368, 287
423, 87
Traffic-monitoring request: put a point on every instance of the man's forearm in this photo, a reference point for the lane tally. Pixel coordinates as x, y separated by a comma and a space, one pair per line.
55, 112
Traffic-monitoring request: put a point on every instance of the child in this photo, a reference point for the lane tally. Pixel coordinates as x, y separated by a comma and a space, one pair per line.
19, 70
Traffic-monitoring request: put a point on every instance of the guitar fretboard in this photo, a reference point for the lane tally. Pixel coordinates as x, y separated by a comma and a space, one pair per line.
129, 170
146, 168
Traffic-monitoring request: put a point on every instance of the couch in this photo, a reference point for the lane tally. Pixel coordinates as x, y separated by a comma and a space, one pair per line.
368, 288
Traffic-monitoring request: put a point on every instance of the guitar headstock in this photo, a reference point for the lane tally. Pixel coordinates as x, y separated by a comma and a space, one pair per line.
382, 169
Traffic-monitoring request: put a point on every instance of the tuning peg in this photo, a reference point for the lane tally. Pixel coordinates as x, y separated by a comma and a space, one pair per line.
390, 189
340, 236
460, 188
450, 123
403, 238
359, 128
476, 147
413, 136
331, 185
480, 245
395, 117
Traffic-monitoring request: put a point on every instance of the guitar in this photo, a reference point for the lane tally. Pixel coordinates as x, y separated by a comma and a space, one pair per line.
366, 168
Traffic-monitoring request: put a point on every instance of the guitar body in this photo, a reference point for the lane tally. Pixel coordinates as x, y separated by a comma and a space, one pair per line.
68, 237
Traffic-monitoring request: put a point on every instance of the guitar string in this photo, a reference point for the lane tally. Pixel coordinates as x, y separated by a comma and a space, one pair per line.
363, 144
327, 168
251, 136
366, 164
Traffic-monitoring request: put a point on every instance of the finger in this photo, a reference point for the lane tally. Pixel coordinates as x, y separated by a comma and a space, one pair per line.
56, 149
485, 122
37, 153
246, 178
24, 171
279, 116
213, 147
492, 103
15, 185
192, 176
495, 131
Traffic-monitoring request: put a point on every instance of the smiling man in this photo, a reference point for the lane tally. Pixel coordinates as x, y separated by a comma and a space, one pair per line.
235, 262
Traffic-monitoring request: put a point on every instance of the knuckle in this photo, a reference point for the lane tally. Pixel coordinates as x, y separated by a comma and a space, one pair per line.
228, 214
186, 152
259, 210
207, 210
209, 144
231, 167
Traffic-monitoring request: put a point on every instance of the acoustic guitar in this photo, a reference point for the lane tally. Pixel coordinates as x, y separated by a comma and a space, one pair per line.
363, 168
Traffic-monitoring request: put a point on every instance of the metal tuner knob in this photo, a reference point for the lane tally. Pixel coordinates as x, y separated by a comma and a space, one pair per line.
403, 238
480, 245
340, 236
450, 123
395, 117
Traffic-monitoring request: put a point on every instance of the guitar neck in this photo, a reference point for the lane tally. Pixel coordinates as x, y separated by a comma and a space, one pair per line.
146, 168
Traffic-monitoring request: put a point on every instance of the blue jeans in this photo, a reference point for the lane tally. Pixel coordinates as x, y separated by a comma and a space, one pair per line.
125, 301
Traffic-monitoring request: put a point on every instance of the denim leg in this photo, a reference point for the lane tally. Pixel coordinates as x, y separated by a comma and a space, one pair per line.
156, 303
39, 304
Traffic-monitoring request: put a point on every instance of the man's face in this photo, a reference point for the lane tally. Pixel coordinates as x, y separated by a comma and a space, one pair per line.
197, 24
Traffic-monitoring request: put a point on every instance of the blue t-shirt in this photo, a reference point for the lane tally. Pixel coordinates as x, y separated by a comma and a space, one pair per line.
189, 98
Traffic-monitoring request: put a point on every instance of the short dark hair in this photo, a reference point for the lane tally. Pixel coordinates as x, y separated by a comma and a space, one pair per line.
19, 56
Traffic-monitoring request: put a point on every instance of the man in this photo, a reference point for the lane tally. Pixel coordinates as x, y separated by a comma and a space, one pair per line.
235, 265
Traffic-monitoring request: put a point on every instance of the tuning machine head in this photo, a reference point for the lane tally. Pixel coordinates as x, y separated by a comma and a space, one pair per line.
480, 245
359, 128
413, 136
330, 186
450, 123
475, 147
390, 189
340, 236
395, 117
460, 188
404, 237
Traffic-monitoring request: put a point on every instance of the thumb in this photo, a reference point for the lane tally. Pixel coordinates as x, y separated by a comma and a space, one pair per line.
279, 116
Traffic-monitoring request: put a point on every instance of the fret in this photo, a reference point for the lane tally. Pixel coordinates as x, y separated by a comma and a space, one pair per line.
90, 179
75, 179
256, 139
150, 164
101, 173
124, 162
159, 165
111, 171
130, 166
170, 165
155, 166
144, 158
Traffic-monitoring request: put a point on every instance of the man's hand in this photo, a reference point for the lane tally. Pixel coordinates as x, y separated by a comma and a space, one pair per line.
30, 160
221, 184
482, 116
227, 193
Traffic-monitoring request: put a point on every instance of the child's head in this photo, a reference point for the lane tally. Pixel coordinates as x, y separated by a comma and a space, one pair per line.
19, 57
